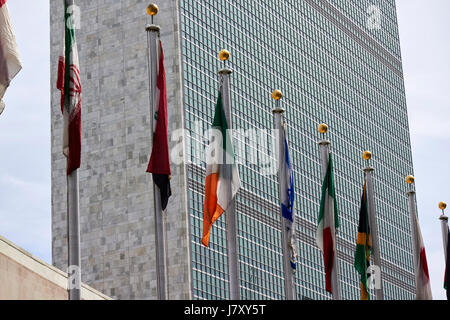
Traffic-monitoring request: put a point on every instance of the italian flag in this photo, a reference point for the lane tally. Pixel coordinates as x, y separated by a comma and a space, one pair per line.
9, 57
327, 224
423, 289
69, 84
222, 179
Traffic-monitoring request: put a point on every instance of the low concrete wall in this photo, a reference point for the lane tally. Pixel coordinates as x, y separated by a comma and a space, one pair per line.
25, 277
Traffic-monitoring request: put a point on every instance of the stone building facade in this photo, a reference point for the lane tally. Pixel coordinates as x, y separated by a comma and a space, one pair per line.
337, 62
116, 198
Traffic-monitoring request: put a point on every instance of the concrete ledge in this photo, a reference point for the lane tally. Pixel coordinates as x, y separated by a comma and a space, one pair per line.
26, 277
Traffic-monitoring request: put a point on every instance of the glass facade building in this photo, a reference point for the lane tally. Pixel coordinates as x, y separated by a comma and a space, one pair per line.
334, 65
336, 61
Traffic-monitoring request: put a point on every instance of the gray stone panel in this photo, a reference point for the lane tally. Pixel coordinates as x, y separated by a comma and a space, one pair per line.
116, 197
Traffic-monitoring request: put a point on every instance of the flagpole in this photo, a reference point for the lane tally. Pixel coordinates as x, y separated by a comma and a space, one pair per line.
325, 156
445, 239
289, 285
73, 222
444, 227
73, 236
230, 215
413, 216
367, 155
160, 226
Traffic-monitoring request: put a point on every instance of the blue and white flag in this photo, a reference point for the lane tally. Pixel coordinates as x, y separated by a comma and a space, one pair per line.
287, 201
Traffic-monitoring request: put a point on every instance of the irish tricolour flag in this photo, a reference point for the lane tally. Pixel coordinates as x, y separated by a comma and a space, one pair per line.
327, 224
9, 57
222, 176
70, 85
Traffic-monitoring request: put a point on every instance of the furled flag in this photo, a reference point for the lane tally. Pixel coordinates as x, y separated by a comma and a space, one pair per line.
9, 57
222, 179
327, 225
159, 164
363, 246
287, 201
69, 84
423, 289
447, 267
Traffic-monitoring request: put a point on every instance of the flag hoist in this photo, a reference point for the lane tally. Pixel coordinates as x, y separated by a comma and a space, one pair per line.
328, 221
222, 178
446, 243
69, 84
159, 164
423, 289
286, 196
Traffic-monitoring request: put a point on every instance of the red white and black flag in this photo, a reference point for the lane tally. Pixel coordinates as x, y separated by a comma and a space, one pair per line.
159, 164
69, 84
9, 57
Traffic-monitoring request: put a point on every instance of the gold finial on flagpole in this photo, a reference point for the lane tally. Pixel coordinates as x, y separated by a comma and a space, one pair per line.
409, 179
367, 155
224, 55
323, 128
277, 95
152, 10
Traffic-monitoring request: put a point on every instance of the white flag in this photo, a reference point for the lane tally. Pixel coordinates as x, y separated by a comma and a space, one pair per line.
9, 57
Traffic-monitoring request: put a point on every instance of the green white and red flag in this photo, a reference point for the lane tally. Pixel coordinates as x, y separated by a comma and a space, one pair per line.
69, 83
328, 222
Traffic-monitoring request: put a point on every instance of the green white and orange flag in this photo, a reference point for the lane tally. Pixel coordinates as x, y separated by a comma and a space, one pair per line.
222, 176
69, 84
328, 222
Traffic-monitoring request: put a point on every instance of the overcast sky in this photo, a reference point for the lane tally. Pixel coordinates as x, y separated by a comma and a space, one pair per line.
25, 203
